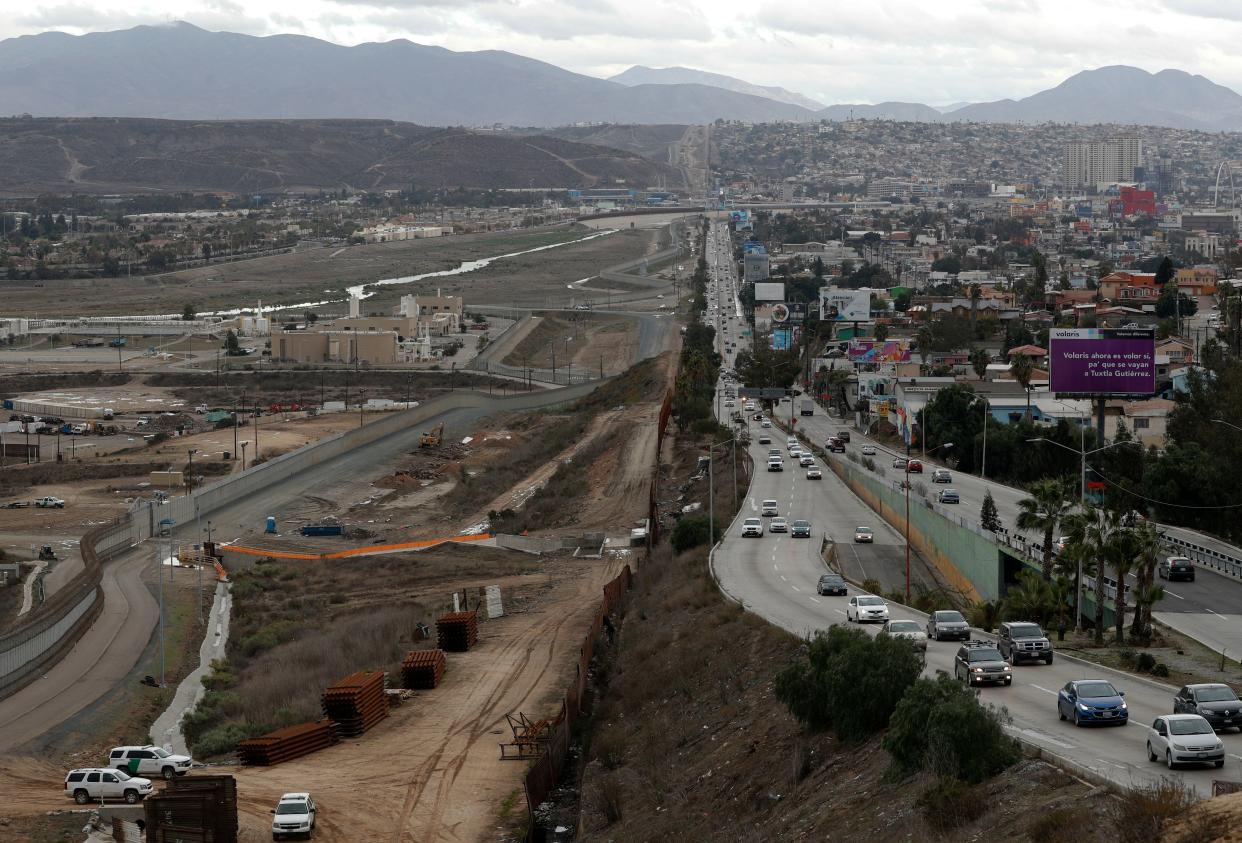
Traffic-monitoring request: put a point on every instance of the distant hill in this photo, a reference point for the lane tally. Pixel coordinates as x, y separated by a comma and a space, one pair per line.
180, 71
125, 155
905, 111
640, 75
654, 142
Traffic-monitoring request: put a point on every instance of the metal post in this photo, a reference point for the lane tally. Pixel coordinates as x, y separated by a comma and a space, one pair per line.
1082, 503
256, 431
907, 525
735, 470
711, 496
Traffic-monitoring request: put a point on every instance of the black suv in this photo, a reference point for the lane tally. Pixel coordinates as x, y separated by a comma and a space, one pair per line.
979, 662
831, 584
947, 623
1024, 641
1214, 702
1176, 568
843, 435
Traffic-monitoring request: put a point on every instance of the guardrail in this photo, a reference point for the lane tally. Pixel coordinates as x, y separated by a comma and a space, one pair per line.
1225, 563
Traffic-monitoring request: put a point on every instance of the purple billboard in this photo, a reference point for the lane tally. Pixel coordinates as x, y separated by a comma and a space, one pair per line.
1091, 362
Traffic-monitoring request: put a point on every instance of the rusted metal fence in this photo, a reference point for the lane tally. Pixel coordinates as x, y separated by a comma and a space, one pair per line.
546, 769
653, 510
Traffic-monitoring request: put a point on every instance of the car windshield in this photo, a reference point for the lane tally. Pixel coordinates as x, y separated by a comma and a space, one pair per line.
903, 626
1221, 694
864, 530
949, 617
983, 655
161, 753
802, 524
752, 522
122, 775
870, 601
291, 808
1094, 690
1192, 726
826, 578
1028, 630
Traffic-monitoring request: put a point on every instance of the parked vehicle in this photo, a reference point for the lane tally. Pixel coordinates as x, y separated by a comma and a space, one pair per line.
979, 662
1092, 701
1023, 641
831, 584
149, 760
866, 607
1213, 701
909, 630
49, 502
94, 783
947, 623
752, 528
293, 814
1184, 739
1176, 568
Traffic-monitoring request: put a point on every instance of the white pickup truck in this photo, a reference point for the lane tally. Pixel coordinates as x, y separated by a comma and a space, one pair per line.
50, 502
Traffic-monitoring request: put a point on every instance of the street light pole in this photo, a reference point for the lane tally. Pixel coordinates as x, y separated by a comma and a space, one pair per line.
983, 465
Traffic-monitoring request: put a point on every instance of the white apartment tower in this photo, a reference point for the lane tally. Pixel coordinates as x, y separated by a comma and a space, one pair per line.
1090, 164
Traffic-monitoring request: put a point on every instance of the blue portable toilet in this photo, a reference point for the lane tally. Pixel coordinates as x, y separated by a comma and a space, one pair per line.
271, 524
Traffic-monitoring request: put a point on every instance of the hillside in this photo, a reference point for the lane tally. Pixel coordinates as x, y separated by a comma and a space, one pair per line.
641, 75
654, 142
133, 155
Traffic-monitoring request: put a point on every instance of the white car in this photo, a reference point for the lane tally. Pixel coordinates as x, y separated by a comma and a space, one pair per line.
778, 525
776, 464
149, 761
752, 528
864, 534
1184, 739
806, 460
769, 508
865, 608
909, 630
294, 814
868, 450
765, 423
813, 473
94, 783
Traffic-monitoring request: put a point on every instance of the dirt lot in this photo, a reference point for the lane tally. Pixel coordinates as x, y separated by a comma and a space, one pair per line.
583, 338
319, 274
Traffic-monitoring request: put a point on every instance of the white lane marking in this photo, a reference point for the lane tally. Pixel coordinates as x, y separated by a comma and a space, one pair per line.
1239, 757
838, 611
775, 567
815, 600
1218, 614
1046, 738
795, 588
784, 578
1171, 594
1042, 688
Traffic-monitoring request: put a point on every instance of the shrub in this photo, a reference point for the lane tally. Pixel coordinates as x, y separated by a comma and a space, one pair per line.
609, 798
1142, 816
222, 740
843, 666
939, 726
691, 532
872, 586
949, 803
1161, 669
1145, 663
608, 747
268, 637
1060, 825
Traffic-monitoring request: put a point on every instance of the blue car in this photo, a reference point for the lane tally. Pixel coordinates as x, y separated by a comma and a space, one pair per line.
1092, 701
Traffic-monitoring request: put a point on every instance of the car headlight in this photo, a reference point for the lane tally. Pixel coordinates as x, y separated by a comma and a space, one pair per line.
1123, 705
1006, 668
1083, 707
977, 669
1178, 747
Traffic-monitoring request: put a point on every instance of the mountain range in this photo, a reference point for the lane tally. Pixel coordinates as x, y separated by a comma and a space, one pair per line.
180, 71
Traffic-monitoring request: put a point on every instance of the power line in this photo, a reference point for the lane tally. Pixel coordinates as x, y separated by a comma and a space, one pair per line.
1132, 493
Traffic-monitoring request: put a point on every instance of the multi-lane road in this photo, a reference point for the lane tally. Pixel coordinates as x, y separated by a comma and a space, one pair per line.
774, 577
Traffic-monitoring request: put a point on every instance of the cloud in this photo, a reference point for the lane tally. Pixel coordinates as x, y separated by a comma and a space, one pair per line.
1219, 9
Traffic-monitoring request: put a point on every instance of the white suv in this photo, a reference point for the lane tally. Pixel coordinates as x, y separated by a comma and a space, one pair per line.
94, 783
149, 761
295, 814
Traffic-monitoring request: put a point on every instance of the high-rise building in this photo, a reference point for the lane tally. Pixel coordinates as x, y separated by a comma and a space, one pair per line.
1092, 164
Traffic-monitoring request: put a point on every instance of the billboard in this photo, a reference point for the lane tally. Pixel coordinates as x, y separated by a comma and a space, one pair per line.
769, 291
763, 317
892, 351
840, 305
1090, 361
782, 339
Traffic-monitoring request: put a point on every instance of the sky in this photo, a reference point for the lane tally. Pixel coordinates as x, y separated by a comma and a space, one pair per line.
836, 51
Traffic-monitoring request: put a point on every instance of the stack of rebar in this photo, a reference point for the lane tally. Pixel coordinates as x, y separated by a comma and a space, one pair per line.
457, 632
286, 744
422, 669
194, 809
356, 703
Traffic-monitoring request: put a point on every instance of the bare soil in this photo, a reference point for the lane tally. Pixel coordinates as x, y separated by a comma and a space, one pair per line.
583, 338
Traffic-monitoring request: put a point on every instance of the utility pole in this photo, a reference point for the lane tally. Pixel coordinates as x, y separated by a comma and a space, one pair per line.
256, 431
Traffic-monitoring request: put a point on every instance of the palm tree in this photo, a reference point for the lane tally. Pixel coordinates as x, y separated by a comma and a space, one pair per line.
1126, 548
1101, 530
924, 337
1023, 368
1030, 599
1061, 590
1146, 592
979, 360
975, 294
1044, 511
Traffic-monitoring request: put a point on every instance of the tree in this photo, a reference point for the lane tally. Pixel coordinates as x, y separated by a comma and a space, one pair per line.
975, 294
881, 333
1146, 592
207, 252
1023, 369
765, 367
1030, 599
979, 361
1062, 592
923, 337
1164, 272
311, 317
231, 346
989, 518
187, 312
1043, 512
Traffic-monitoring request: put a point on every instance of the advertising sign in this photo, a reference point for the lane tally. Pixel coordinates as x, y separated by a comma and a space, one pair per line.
780, 312
769, 291
892, 351
840, 305
763, 317
1087, 361
782, 339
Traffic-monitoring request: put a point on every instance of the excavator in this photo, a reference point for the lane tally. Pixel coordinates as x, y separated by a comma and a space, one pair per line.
431, 438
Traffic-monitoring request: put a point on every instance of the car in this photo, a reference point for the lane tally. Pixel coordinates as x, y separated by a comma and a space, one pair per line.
792, 442
900, 463
979, 663
1176, 568
769, 508
909, 630
100, 783
778, 525
1213, 701
868, 450
765, 423
143, 421
149, 760
1023, 641
948, 496
915, 467
835, 445
774, 452
942, 475
752, 528
806, 460
800, 529
813, 473
1092, 701
795, 450
866, 607
775, 464
1184, 739
49, 502
863, 534
946, 623
831, 584
293, 814
729, 404
843, 435
764, 439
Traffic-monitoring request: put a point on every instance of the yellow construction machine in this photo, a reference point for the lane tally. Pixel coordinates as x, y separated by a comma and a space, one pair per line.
431, 438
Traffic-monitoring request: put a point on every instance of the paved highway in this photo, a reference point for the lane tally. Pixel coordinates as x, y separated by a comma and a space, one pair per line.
774, 577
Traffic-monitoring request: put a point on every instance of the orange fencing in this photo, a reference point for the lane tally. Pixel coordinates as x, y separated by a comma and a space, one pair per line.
366, 550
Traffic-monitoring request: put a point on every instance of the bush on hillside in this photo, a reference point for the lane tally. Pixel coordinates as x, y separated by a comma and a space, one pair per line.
691, 532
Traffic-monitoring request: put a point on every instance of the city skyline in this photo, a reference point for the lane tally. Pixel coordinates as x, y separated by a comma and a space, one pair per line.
962, 51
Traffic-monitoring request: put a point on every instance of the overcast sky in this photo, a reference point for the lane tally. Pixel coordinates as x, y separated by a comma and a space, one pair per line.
836, 51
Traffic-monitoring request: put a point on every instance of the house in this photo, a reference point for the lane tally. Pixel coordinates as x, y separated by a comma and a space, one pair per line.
1196, 280
1178, 351
1111, 284
1147, 420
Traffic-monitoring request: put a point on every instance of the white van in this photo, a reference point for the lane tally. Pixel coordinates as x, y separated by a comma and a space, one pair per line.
769, 509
